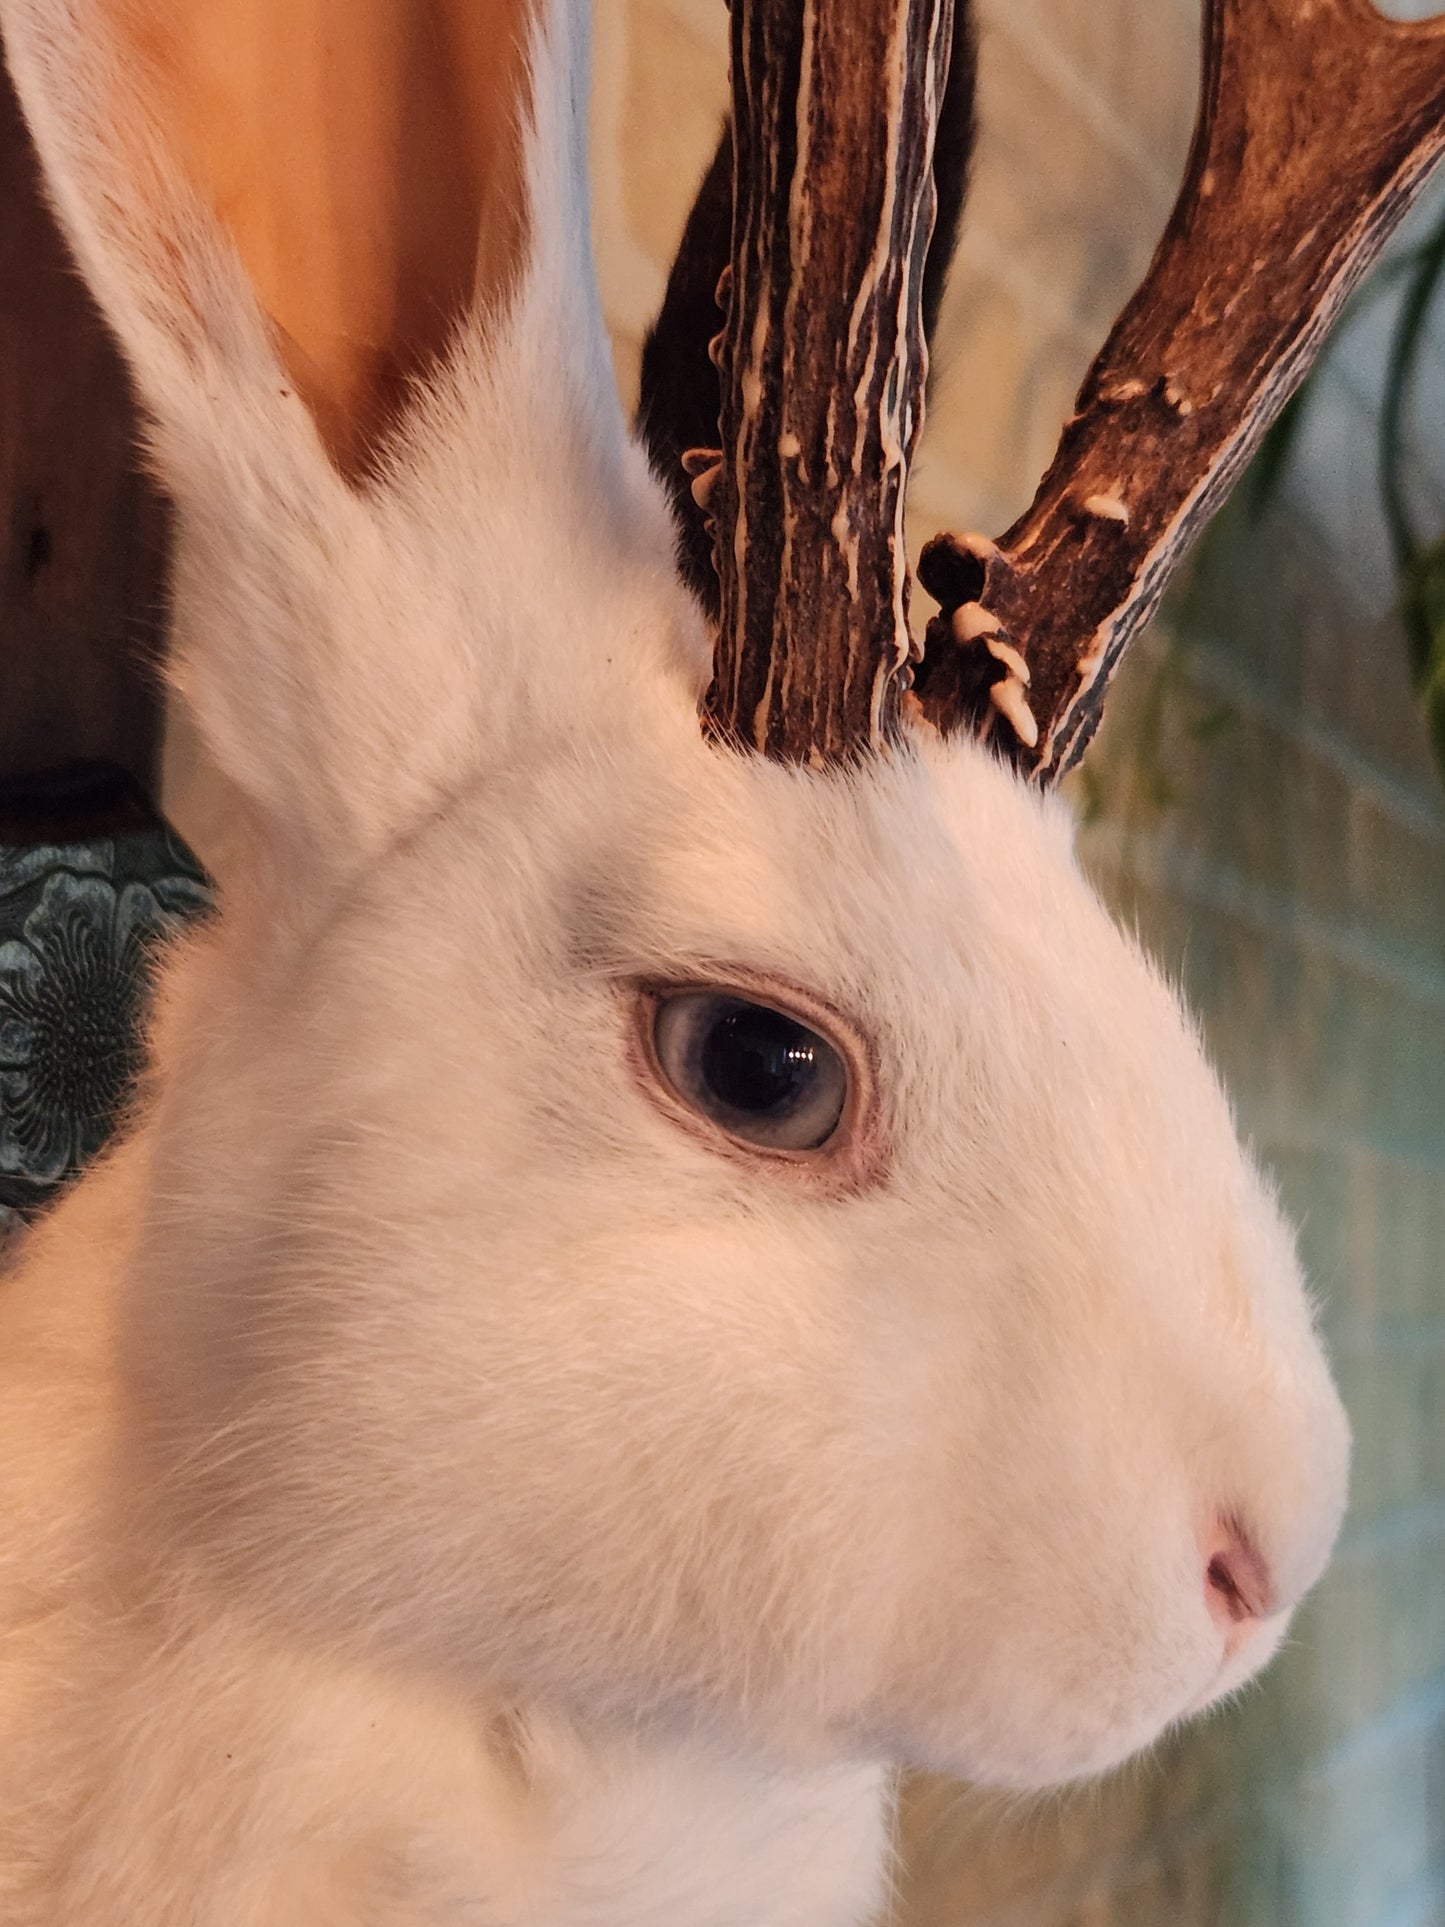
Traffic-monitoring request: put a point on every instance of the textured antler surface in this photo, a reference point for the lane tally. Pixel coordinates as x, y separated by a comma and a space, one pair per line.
678, 410
835, 110
1319, 122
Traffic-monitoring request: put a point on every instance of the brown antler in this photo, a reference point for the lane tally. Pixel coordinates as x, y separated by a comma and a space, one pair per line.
835, 111
1319, 123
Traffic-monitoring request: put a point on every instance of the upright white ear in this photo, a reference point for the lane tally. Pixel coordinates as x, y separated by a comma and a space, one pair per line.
313, 224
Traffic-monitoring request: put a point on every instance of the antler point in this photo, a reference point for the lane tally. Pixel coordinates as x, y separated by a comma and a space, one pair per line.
1009, 700
970, 620
1130, 389
1107, 508
1175, 396
1005, 653
704, 483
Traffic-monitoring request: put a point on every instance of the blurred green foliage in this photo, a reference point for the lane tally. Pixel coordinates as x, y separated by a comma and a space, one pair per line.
1419, 556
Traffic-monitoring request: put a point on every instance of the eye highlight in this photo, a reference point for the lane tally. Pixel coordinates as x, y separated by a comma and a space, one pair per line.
756, 1071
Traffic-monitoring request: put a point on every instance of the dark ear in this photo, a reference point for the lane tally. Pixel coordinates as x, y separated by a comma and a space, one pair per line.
678, 408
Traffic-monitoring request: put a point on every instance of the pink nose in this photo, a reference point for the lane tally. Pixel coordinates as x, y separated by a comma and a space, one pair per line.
1237, 1586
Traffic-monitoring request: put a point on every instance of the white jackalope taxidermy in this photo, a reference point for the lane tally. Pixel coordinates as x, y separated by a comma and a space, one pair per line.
674, 1260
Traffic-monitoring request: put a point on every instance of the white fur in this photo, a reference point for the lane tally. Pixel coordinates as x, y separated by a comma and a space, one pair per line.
438, 1488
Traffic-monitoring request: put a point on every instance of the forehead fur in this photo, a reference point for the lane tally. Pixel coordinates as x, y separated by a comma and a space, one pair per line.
929, 897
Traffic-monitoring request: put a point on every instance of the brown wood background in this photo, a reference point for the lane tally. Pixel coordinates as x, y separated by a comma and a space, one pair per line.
82, 530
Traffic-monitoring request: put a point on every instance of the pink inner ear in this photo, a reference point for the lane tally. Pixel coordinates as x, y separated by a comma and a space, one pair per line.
365, 157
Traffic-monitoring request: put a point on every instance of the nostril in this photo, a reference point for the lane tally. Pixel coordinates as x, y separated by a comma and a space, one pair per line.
1236, 1580
1228, 1596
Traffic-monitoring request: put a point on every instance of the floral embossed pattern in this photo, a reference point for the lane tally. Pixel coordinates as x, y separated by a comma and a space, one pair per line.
80, 921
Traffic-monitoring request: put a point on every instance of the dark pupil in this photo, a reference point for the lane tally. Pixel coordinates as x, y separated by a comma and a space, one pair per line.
757, 1060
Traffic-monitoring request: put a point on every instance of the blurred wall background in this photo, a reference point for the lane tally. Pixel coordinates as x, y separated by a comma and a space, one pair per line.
1265, 808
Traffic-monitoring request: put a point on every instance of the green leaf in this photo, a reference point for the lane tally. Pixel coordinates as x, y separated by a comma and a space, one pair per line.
1093, 794
1427, 635
1405, 347
1434, 705
1266, 471
1215, 722
1422, 607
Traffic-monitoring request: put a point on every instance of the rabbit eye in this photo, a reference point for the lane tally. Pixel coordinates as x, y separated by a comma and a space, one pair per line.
758, 1073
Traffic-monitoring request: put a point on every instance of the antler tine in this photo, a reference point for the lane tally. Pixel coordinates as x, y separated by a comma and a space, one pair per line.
1319, 122
835, 110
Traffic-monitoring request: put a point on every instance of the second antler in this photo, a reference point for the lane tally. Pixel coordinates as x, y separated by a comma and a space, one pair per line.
835, 113
1319, 122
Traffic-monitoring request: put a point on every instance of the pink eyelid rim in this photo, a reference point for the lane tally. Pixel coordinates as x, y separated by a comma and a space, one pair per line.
852, 1159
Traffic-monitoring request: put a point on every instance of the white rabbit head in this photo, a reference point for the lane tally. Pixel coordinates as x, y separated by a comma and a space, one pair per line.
921, 1370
